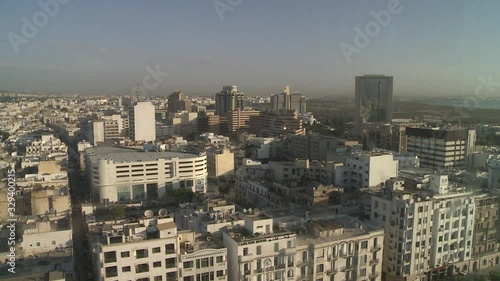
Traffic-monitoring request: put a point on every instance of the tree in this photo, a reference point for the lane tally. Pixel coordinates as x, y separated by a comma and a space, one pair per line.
117, 212
179, 195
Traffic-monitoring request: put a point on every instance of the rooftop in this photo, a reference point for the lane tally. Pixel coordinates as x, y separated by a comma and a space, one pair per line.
123, 154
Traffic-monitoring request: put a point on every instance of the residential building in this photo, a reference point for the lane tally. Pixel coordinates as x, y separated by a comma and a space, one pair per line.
220, 162
428, 230
373, 100
142, 124
147, 249
366, 169
441, 148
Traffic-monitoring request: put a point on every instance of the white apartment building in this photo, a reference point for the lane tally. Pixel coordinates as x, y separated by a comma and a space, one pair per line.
152, 249
428, 231
142, 123
340, 248
124, 174
45, 144
53, 233
258, 252
366, 169
201, 258
144, 250
336, 248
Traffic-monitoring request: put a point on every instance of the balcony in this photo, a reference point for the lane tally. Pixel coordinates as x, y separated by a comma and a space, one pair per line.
332, 258
376, 248
373, 275
332, 271
374, 261
347, 254
347, 268
246, 258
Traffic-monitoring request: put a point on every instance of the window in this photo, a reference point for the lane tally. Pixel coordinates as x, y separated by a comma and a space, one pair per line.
157, 278
170, 263
364, 245
319, 268
220, 273
259, 250
140, 254
109, 256
53, 242
111, 271
187, 264
157, 264
125, 254
144, 267
38, 244
276, 247
289, 244
156, 250
362, 272
126, 269
220, 259
245, 251
203, 262
170, 249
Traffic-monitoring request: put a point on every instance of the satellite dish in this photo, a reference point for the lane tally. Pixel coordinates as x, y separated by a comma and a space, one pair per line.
162, 212
245, 211
250, 210
148, 214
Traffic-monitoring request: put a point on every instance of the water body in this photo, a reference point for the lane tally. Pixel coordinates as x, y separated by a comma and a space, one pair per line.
466, 102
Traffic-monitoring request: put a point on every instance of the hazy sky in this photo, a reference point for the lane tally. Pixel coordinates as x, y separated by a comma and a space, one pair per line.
430, 47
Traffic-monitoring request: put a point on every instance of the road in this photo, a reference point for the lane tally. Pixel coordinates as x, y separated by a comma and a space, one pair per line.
80, 192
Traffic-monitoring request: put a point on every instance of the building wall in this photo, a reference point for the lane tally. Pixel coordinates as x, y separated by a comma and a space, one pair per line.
40, 242
142, 122
129, 181
373, 100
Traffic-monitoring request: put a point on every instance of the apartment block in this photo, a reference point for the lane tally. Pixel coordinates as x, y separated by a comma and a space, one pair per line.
366, 169
428, 231
441, 148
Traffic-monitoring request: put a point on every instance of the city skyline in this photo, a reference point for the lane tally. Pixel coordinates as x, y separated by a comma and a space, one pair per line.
95, 47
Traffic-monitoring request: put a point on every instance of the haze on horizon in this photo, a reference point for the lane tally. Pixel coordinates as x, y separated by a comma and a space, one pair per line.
431, 48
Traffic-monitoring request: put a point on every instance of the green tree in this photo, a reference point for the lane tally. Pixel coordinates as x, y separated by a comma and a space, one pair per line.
117, 212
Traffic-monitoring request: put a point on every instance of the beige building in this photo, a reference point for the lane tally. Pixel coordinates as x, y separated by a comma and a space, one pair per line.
220, 162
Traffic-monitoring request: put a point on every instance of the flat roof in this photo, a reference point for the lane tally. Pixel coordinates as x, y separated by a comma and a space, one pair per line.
124, 154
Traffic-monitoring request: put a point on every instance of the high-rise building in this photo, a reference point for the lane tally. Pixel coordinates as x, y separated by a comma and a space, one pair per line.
373, 100
441, 149
178, 102
142, 122
229, 99
287, 100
